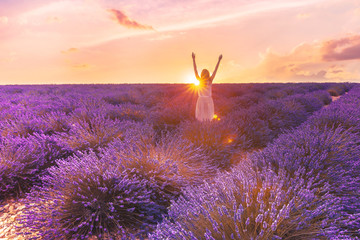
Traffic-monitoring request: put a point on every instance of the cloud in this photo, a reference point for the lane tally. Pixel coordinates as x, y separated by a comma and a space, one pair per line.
161, 37
303, 15
4, 20
124, 20
11, 57
22, 20
312, 61
357, 11
347, 48
81, 66
53, 20
70, 50
340, 72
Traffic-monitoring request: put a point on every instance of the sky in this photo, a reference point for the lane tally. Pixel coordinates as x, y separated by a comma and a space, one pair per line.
142, 41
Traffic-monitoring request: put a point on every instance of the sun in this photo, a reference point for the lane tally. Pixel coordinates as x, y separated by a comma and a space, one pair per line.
192, 80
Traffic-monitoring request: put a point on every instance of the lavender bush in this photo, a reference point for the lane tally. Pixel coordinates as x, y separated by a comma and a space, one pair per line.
263, 122
126, 111
243, 204
87, 196
21, 125
23, 161
342, 113
327, 156
169, 165
219, 138
336, 90
90, 132
121, 194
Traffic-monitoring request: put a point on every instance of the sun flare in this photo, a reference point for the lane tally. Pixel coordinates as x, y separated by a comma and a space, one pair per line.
191, 79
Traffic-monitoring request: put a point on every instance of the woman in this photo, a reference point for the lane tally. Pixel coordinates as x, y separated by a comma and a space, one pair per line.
205, 105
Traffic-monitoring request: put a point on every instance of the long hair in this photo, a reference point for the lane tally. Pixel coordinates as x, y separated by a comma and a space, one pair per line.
205, 75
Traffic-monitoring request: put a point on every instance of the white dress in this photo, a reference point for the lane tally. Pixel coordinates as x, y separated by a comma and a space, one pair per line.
204, 105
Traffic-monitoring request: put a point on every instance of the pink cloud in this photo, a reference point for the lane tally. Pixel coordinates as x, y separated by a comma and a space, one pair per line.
8, 58
303, 15
347, 48
70, 50
357, 11
314, 61
53, 19
124, 20
3, 20
81, 66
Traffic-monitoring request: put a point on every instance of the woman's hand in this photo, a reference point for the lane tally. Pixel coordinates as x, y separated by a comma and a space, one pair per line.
195, 68
220, 57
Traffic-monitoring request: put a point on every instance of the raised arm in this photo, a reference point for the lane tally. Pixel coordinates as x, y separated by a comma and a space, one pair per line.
216, 68
195, 68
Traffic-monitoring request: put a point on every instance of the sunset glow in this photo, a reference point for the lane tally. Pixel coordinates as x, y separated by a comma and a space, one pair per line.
103, 41
191, 79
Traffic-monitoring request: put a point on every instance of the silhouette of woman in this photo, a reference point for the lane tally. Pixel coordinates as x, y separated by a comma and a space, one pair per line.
205, 105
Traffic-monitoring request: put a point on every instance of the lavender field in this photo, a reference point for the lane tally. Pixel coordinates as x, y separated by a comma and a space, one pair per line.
278, 161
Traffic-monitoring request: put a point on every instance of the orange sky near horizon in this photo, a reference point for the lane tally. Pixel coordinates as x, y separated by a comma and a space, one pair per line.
140, 41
